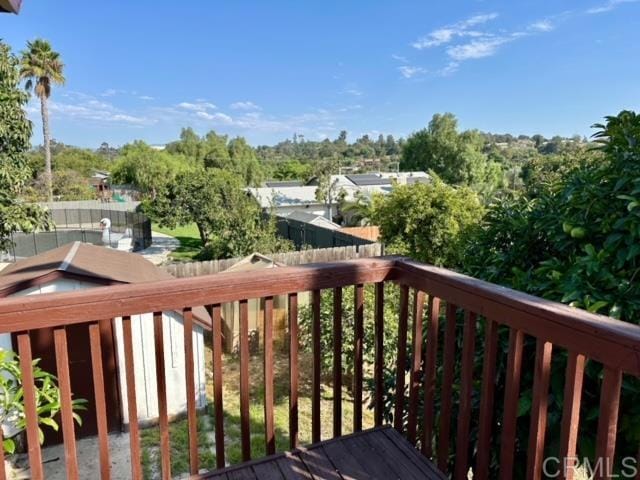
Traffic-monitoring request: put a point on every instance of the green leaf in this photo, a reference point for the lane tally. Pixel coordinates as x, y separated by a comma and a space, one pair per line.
9, 446
594, 307
49, 422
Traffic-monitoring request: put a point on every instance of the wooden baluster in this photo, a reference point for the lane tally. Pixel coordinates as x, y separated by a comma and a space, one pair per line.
270, 437
538, 428
99, 392
30, 407
245, 420
358, 326
3, 474
216, 348
571, 412
161, 386
379, 354
315, 389
466, 390
481, 471
132, 403
416, 360
402, 357
511, 396
447, 387
608, 422
430, 358
187, 316
293, 370
66, 407
337, 362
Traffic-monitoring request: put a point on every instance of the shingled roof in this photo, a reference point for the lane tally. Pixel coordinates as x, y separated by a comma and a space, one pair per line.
90, 263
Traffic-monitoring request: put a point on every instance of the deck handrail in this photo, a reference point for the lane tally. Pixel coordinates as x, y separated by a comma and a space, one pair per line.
584, 335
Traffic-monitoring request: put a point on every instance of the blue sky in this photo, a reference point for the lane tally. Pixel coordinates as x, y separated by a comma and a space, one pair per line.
143, 69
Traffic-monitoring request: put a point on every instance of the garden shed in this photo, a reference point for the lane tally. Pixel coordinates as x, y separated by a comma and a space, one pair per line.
79, 266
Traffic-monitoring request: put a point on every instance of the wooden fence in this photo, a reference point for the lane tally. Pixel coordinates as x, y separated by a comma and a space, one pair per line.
320, 255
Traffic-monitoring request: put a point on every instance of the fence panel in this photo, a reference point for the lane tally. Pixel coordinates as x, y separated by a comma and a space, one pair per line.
323, 255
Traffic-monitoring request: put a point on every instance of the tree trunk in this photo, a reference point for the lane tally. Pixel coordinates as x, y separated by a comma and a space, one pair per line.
47, 147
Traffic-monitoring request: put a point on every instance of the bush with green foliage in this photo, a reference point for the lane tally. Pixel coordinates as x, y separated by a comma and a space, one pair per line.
12, 408
429, 222
575, 239
348, 333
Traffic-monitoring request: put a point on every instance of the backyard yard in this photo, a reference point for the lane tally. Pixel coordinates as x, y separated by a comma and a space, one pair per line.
231, 399
189, 238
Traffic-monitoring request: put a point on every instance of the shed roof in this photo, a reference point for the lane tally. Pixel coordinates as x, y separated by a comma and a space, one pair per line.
312, 218
84, 261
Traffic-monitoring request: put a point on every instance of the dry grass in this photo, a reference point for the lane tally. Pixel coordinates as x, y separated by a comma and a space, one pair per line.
231, 400
231, 396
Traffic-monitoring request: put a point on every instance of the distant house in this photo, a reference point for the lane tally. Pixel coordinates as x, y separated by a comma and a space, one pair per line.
100, 180
80, 266
285, 200
287, 197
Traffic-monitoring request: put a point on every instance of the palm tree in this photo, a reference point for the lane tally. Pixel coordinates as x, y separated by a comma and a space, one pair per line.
41, 67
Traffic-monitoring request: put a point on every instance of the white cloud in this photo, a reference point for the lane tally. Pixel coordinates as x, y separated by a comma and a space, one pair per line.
485, 47
197, 107
353, 91
146, 97
98, 111
217, 117
245, 106
400, 58
449, 33
608, 6
110, 92
542, 26
449, 69
408, 71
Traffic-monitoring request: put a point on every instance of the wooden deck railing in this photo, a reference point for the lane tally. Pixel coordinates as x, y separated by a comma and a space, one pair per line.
614, 344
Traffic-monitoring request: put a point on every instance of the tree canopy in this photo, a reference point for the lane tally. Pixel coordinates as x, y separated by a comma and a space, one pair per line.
456, 157
229, 221
428, 222
15, 133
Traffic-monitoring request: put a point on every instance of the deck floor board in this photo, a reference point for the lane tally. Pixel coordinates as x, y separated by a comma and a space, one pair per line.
379, 453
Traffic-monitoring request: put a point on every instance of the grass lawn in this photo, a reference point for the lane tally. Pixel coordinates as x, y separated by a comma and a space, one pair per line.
190, 243
231, 399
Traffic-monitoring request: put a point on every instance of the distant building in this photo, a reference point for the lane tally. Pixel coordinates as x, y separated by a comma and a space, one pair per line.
287, 197
285, 200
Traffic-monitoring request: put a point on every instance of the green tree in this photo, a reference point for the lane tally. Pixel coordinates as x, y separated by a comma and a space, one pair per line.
457, 158
15, 132
148, 169
429, 222
229, 221
292, 170
42, 67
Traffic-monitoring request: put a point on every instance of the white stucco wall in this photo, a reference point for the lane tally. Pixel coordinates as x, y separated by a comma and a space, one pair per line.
144, 356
